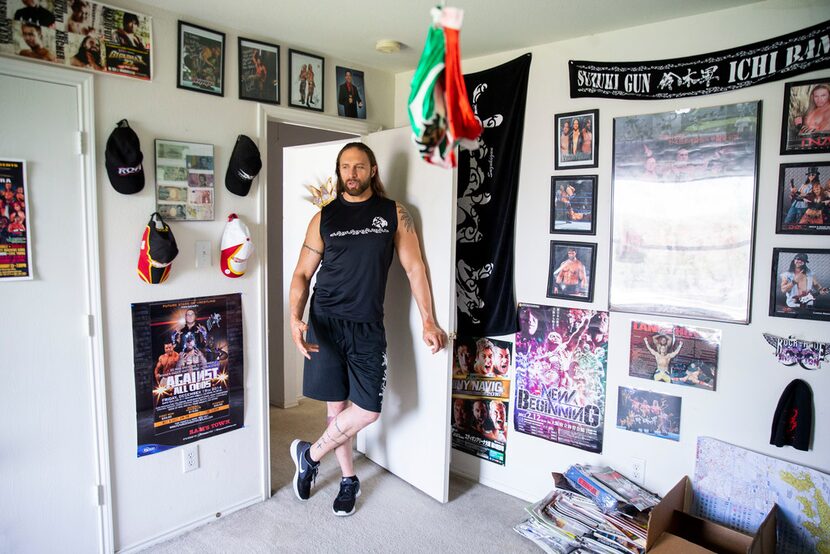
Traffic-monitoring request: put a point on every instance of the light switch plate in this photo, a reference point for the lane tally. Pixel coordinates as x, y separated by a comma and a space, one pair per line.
203, 253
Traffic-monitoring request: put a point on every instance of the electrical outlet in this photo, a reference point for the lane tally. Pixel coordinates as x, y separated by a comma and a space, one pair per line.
203, 253
638, 470
190, 458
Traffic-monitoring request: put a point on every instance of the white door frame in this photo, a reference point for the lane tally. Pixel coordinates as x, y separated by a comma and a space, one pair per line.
265, 115
83, 83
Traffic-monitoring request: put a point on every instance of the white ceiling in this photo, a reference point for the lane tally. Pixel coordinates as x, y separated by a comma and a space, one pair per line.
349, 29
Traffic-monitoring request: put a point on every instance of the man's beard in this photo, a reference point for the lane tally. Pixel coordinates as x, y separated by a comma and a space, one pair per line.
359, 190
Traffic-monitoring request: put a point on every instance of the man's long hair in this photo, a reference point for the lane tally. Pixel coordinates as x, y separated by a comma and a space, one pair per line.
376, 184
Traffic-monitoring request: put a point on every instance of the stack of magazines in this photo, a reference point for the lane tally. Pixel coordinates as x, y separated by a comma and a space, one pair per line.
592, 509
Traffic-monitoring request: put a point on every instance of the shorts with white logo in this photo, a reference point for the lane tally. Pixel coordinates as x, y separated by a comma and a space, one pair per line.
351, 363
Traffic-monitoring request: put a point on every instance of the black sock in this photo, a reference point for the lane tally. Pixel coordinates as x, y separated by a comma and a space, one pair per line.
308, 459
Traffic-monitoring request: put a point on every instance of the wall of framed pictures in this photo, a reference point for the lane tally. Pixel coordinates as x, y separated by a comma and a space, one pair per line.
730, 390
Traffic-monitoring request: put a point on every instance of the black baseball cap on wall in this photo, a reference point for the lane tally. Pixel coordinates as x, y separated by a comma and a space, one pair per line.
124, 159
243, 166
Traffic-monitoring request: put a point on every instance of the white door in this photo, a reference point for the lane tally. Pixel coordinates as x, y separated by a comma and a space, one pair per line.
305, 165
411, 439
49, 463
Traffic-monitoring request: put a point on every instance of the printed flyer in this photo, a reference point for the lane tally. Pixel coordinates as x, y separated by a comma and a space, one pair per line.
675, 354
188, 370
15, 243
480, 397
561, 363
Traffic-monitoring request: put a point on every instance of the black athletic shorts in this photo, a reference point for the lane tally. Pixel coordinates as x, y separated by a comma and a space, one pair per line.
351, 363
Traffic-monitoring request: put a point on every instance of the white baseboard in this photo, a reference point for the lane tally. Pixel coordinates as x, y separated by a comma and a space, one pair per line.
497, 485
188, 526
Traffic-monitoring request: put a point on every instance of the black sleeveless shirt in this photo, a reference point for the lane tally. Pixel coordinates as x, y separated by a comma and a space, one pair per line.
359, 240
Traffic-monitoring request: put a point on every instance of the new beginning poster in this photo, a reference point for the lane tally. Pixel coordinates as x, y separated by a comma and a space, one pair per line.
480, 397
675, 354
188, 370
15, 243
561, 362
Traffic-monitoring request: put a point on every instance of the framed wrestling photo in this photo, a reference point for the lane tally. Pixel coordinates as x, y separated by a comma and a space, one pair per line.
576, 139
803, 202
306, 76
571, 270
351, 92
573, 205
800, 283
805, 126
201, 60
259, 71
684, 189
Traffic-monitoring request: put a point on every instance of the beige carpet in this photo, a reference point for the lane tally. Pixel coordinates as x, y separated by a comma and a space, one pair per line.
391, 515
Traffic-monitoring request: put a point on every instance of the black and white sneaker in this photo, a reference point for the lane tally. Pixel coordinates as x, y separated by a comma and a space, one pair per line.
349, 491
306, 472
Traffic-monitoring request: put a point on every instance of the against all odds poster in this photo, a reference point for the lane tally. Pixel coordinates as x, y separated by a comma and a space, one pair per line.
480, 397
188, 370
561, 362
15, 243
675, 354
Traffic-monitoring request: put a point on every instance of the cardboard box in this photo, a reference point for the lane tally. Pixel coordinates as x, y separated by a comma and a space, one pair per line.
672, 530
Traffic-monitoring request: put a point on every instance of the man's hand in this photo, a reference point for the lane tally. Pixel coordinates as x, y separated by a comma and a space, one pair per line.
298, 330
434, 337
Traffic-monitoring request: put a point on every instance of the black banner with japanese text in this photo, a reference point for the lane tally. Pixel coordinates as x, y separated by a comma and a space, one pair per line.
761, 62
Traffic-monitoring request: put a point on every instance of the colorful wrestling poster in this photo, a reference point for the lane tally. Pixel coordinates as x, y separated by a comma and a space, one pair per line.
188, 370
674, 354
480, 397
81, 34
650, 413
561, 362
15, 243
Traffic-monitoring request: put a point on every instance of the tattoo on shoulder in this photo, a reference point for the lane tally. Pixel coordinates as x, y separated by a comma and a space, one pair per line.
406, 219
318, 252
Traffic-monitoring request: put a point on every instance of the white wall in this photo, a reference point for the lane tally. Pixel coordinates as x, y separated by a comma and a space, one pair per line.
151, 495
750, 380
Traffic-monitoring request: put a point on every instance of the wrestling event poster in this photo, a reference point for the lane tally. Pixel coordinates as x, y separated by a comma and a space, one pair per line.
15, 243
675, 354
81, 35
561, 363
188, 370
650, 413
480, 397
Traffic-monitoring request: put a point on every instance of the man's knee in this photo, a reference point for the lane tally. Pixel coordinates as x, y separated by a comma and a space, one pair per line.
334, 408
366, 417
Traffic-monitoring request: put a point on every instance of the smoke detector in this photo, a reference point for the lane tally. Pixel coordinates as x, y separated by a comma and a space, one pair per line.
387, 46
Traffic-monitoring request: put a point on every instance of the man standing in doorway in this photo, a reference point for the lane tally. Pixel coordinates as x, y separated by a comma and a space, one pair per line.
351, 241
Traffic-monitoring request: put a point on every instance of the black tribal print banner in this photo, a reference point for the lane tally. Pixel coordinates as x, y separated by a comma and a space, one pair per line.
761, 62
488, 180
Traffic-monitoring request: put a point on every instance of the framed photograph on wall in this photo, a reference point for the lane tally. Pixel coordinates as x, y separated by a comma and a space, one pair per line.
259, 71
351, 93
803, 203
185, 179
800, 283
684, 188
576, 139
805, 127
201, 62
307, 77
573, 204
571, 270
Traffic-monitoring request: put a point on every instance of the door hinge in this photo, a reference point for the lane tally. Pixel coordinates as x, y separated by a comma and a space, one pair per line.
452, 335
100, 493
81, 143
90, 325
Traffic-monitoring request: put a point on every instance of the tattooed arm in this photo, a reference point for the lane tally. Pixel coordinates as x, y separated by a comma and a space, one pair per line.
311, 254
409, 253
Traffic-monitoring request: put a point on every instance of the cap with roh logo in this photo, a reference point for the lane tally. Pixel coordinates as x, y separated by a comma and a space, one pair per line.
124, 159
237, 248
158, 250
243, 166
